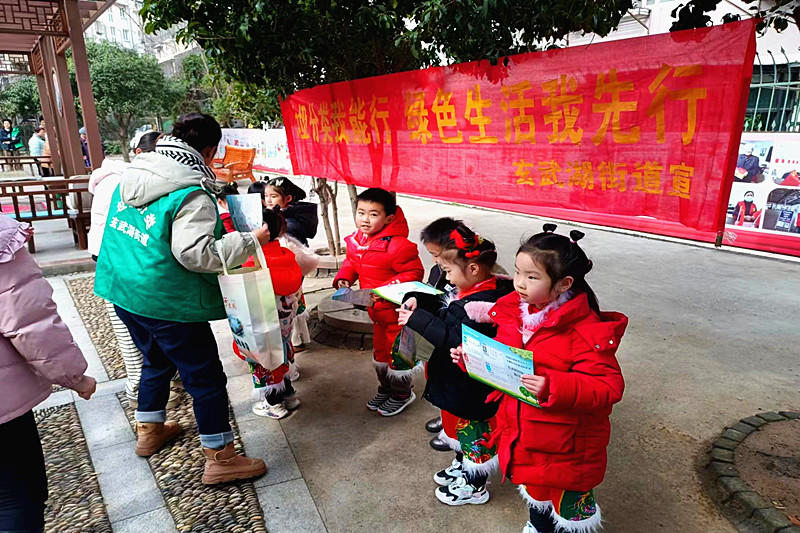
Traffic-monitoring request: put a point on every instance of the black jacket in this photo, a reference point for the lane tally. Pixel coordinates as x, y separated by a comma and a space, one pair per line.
301, 221
449, 387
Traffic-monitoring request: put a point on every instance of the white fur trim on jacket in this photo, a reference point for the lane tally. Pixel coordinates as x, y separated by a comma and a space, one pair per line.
487, 468
453, 443
532, 321
406, 375
260, 393
590, 525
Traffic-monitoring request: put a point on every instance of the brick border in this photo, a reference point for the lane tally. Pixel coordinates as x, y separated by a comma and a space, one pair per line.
731, 489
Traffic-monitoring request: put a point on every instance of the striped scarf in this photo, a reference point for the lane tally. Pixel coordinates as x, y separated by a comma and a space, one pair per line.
184, 154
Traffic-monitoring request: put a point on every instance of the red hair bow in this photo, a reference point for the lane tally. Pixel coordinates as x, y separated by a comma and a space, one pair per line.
470, 249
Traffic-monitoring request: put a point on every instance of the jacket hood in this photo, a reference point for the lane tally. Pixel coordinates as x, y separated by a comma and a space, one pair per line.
304, 214
151, 176
108, 168
12, 237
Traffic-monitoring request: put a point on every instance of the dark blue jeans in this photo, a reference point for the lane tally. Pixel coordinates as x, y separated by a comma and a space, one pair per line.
23, 483
191, 348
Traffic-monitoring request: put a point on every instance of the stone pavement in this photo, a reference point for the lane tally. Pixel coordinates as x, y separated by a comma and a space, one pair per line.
713, 338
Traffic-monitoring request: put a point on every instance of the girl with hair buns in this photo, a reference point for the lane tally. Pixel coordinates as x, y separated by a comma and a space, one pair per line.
468, 261
556, 453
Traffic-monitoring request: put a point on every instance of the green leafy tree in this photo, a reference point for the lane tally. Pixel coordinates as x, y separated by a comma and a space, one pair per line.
128, 86
778, 14
21, 99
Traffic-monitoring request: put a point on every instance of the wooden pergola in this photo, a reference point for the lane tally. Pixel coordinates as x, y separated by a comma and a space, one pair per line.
34, 38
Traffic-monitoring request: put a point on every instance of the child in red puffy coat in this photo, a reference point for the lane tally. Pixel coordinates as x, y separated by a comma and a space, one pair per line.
379, 253
275, 390
557, 453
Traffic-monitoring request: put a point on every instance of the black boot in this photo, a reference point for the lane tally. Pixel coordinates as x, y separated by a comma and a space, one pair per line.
439, 445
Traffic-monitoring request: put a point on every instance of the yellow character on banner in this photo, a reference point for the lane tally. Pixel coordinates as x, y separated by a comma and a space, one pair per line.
325, 122
564, 107
313, 120
446, 117
338, 117
474, 103
358, 115
648, 177
416, 117
612, 176
549, 171
523, 172
613, 109
519, 104
302, 121
581, 174
690, 96
681, 180
382, 114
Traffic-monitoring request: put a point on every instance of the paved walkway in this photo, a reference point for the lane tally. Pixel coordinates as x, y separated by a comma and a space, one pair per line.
713, 337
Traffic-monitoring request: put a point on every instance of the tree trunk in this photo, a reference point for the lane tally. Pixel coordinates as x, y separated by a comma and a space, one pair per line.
122, 134
335, 209
351, 190
321, 188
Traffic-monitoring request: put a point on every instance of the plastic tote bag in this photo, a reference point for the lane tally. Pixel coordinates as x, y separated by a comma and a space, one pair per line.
252, 312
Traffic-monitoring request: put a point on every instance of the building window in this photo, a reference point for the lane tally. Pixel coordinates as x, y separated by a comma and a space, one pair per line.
113, 31
110, 16
126, 35
121, 12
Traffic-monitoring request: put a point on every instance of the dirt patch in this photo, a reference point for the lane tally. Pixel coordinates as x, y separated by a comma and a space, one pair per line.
769, 461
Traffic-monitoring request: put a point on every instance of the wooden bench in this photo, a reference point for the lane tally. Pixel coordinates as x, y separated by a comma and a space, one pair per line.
50, 199
31, 165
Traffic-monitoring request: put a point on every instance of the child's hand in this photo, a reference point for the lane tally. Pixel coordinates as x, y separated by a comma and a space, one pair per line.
457, 354
403, 315
262, 235
375, 297
344, 284
410, 304
534, 383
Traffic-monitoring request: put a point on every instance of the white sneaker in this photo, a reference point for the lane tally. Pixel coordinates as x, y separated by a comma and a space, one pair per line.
530, 529
394, 406
461, 493
294, 372
445, 477
275, 412
291, 403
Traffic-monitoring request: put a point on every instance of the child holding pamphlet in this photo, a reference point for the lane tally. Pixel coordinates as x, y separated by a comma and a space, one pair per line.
556, 453
468, 261
379, 253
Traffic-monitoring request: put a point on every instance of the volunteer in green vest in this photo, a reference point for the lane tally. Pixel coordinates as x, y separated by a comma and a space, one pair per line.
163, 246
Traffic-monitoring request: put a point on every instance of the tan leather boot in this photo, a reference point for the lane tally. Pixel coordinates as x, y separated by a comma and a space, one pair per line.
226, 465
152, 436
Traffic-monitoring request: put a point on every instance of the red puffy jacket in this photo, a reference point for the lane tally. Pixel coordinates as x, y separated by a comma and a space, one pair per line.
382, 258
285, 273
563, 444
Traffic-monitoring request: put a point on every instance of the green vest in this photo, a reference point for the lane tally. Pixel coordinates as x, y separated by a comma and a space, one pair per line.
137, 271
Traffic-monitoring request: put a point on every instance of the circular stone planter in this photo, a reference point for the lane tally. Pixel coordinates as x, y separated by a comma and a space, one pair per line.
340, 325
745, 507
328, 266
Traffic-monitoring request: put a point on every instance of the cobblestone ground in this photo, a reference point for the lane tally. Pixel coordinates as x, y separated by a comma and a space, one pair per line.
178, 469
75, 503
95, 317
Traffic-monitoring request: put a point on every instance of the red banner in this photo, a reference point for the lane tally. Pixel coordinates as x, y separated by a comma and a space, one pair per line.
639, 133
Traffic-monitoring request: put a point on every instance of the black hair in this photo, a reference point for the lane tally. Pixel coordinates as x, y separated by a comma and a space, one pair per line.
275, 222
147, 142
749, 192
257, 187
464, 246
561, 256
285, 187
37, 129
7, 120
438, 232
198, 130
379, 196
227, 190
